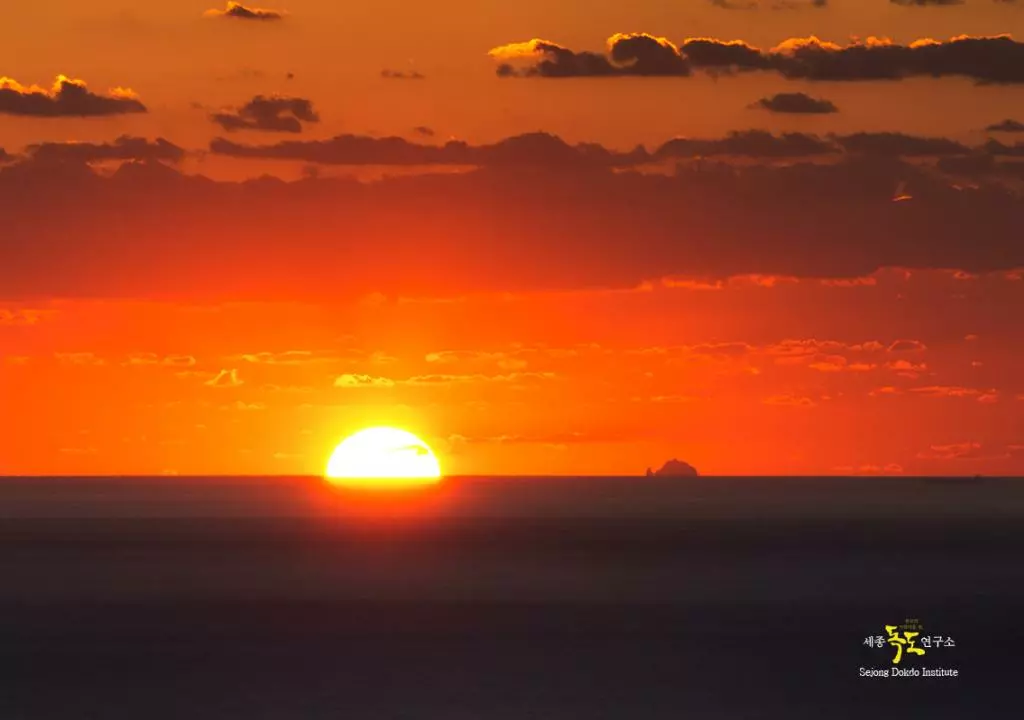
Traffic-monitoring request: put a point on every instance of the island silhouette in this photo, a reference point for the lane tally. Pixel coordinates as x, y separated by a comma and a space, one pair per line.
674, 468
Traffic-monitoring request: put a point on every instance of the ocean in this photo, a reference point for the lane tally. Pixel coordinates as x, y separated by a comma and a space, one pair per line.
493, 598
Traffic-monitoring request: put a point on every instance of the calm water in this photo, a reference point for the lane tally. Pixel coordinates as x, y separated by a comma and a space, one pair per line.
506, 598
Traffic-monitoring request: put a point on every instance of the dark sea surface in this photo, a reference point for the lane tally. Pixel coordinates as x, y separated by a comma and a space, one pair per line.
495, 598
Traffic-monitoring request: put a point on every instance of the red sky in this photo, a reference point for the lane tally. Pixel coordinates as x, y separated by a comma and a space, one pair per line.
821, 275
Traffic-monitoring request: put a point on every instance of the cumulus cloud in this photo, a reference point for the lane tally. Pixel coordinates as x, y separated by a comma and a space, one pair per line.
67, 97
998, 59
6, 157
238, 11
270, 114
124, 147
797, 103
628, 54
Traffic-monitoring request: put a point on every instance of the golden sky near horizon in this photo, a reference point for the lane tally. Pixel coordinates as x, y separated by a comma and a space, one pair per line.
744, 323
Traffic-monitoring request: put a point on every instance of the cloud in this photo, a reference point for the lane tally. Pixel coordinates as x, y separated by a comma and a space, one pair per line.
955, 391
798, 103
242, 406
838, 363
357, 381
893, 144
6, 157
637, 54
21, 316
167, 360
998, 59
748, 143
67, 98
954, 451
994, 147
766, 5
79, 358
388, 74
532, 148
925, 3
452, 379
423, 130
1008, 125
225, 379
124, 147
238, 11
790, 401
566, 221
269, 114
289, 357
907, 346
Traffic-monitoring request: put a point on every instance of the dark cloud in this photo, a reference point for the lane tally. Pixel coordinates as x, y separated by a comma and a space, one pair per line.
997, 59
150, 231
423, 130
748, 143
892, 144
994, 147
67, 98
799, 103
1010, 126
402, 74
989, 59
238, 11
6, 157
123, 148
925, 3
528, 149
270, 114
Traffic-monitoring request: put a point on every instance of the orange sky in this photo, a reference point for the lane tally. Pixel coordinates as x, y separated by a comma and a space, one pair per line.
578, 320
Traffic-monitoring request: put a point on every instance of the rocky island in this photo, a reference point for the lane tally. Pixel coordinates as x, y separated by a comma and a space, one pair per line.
674, 468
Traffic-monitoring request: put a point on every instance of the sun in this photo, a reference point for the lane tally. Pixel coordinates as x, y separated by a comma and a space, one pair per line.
383, 458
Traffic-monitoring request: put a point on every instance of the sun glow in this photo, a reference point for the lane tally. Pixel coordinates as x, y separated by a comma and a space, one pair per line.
383, 458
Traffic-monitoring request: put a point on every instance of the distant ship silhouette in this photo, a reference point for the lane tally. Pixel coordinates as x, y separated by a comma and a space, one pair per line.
674, 468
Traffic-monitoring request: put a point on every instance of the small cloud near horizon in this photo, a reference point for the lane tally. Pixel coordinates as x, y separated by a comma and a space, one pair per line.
797, 103
389, 74
238, 11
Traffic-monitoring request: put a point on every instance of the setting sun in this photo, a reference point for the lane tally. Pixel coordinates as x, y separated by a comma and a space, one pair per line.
383, 457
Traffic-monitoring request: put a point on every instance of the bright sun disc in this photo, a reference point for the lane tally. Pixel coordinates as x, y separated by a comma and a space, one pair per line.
383, 457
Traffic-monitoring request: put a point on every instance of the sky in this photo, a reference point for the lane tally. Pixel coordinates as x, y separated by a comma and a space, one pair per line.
763, 237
